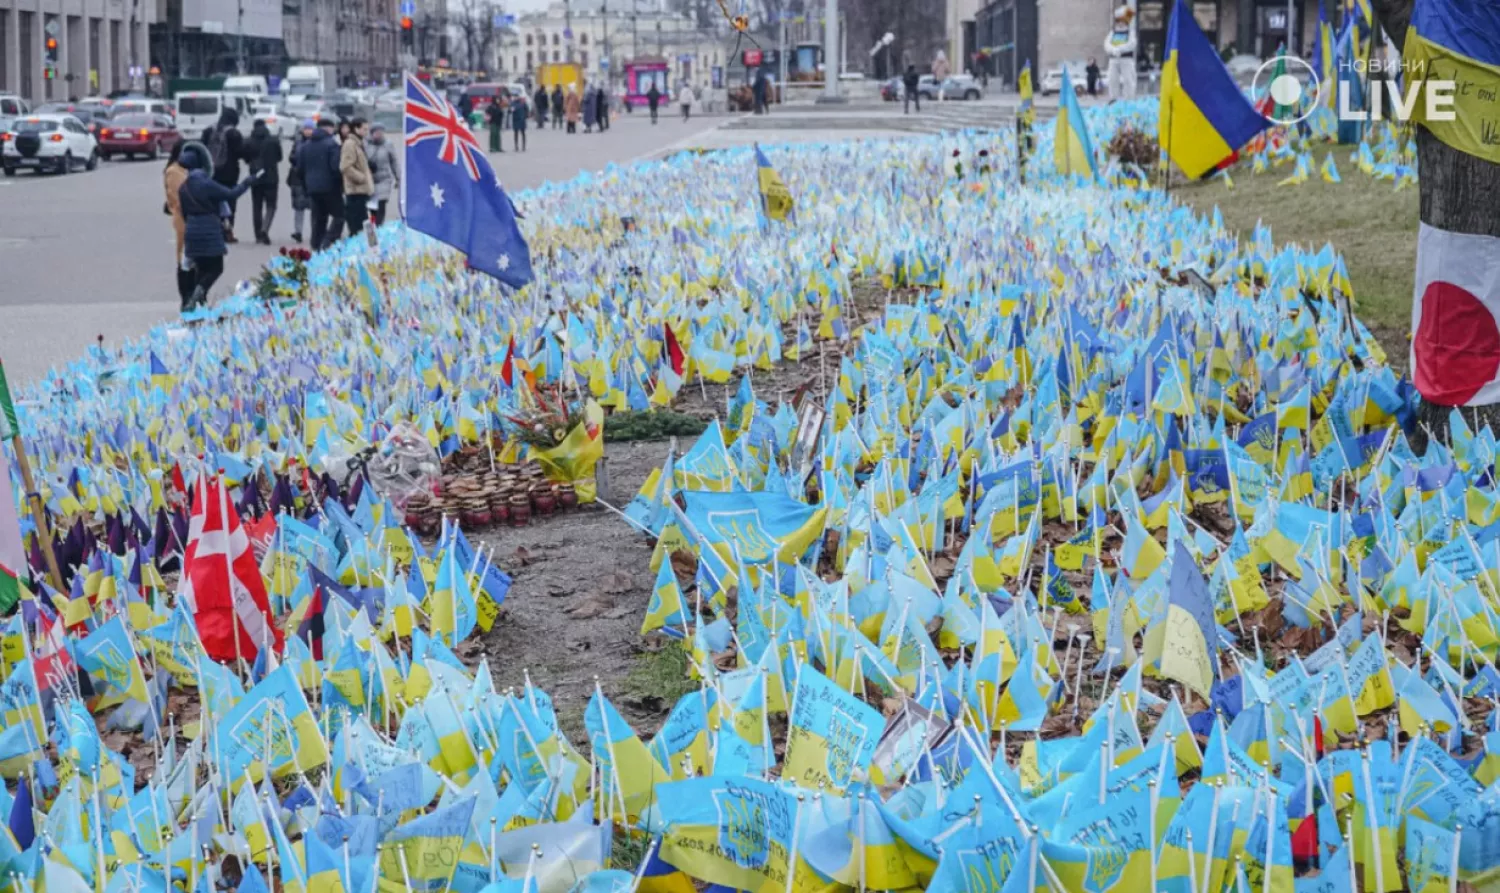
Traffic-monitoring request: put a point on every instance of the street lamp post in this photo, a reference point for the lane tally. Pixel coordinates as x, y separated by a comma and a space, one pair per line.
831, 53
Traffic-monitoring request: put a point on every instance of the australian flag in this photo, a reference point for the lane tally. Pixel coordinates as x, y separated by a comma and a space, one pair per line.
452, 193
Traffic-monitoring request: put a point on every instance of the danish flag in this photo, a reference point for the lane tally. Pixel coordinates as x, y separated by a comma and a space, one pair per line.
221, 583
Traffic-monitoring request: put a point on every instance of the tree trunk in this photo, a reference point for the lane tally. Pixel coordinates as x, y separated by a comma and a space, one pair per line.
1457, 194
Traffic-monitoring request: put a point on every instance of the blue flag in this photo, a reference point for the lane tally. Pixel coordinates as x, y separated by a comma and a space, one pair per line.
453, 193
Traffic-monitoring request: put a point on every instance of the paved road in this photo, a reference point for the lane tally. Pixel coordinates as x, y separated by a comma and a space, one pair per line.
90, 254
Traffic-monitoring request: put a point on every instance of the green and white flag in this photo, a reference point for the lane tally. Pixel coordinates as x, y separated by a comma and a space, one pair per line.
12, 552
8, 426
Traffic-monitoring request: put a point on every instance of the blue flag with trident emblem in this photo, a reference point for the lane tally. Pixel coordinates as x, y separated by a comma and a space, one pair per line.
757, 526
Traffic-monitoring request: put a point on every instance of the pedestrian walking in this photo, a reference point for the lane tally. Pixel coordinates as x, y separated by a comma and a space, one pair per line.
685, 99
572, 108
295, 186
226, 149
518, 116
319, 160
557, 107
354, 165
494, 116
604, 101
1092, 76
590, 108
205, 203
909, 82
172, 178
653, 99
541, 107
384, 170
264, 149
758, 91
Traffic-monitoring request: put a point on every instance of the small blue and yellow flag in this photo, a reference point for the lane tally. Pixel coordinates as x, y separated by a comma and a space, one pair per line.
1073, 153
775, 199
1027, 111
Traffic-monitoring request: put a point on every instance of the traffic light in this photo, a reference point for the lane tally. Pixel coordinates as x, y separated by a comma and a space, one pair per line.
49, 57
406, 31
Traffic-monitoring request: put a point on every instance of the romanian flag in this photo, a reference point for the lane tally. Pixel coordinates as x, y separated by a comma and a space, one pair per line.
1204, 118
1458, 42
775, 199
1074, 151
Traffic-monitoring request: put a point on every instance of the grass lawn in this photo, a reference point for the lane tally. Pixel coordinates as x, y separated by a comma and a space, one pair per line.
1369, 223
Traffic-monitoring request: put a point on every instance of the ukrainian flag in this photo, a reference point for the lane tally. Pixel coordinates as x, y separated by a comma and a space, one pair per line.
160, 377
1203, 118
629, 771
775, 199
1027, 112
1459, 42
1073, 153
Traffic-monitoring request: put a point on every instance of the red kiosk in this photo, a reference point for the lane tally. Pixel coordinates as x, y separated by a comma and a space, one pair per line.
640, 74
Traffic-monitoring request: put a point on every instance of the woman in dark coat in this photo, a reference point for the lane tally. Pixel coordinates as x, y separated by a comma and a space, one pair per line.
556, 105
300, 200
590, 108
205, 203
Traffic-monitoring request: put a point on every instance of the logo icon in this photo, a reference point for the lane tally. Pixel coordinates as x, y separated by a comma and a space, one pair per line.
1295, 89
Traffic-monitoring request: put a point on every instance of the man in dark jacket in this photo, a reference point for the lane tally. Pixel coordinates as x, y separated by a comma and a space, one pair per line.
203, 199
653, 99
226, 148
541, 107
318, 160
909, 81
264, 149
557, 107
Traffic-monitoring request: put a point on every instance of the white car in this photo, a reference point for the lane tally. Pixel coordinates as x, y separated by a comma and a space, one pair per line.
278, 122
58, 143
1052, 80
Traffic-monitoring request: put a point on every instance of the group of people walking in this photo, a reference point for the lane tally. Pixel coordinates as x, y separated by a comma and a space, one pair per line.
569, 108
340, 174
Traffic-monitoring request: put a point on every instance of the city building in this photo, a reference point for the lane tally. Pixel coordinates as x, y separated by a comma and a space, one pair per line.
202, 38
601, 36
1009, 32
962, 30
53, 49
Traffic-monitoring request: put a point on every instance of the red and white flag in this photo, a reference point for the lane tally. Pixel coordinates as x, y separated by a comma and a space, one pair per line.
1455, 318
221, 581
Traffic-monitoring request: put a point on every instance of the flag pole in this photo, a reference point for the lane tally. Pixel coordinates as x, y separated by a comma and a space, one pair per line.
1166, 162
38, 516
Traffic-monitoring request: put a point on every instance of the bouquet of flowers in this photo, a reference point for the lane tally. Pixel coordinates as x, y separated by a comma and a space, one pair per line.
285, 276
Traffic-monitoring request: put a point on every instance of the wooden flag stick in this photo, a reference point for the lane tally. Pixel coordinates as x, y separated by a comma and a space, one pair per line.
34, 498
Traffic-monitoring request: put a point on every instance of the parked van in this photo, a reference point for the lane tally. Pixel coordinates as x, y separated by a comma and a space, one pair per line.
199, 110
308, 80
247, 83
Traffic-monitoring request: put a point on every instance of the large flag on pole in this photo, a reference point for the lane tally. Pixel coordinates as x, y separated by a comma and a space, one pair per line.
12, 551
452, 192
221, 581
9, 427
1204, 118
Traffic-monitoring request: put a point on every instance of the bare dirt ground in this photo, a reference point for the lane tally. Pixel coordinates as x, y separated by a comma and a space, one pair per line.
582, 579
